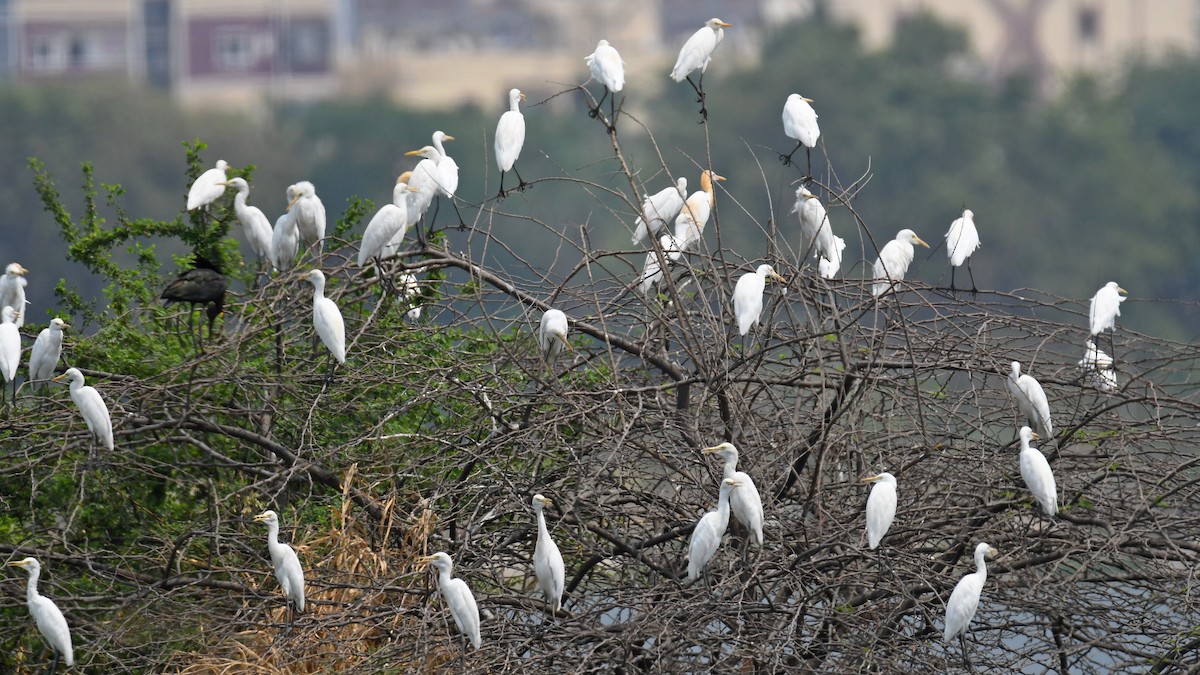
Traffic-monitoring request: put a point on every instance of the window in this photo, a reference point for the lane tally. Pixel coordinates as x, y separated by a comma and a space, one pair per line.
48, 51
233, 49
1089, 24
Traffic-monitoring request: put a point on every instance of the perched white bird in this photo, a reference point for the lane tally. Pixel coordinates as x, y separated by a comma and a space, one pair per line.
744, 503
652, 272
447, 167
547, 561
706, 538
410, 288
46, 350
748, 296
692, 218
881, 507
254, 222
309, 213
894, 260
800, 124
327, 318
285, 241
10, 345
606, 66
658, 209
389, 223
49, 619
698, 50
1031, 400
964, 600
962, 239
12, 290
1097, 367
287, 565
1037, 474
425, 180
510, 138
389, 249
208, 188
458, 598
91, 406
817, 234
1106, 307
552, 335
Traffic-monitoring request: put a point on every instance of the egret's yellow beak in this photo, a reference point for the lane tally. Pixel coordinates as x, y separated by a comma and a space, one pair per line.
722, 24
1122, 290
1034, 436
293, 202
413, 153
870, 479
16, 563
806, 100
447, 137
920, 241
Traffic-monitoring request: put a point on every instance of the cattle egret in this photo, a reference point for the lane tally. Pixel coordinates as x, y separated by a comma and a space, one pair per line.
287, 566
208, 188
608, 69
1037, 474
547, 561
881, 507
91, 406
254, 222
696, 53
744, 503
964, 600
458, 598
817, 234
961, 241
327, 318
49, 619
552, 335
748, 296
389, 222
692, 218
706, 538
1106, 307
1031, 400
309, 213
894, 260
800, 124
46, 349
510, 138
658, 209
12, 291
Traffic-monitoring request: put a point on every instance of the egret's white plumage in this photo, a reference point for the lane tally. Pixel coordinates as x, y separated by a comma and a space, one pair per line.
962, 238
748, 296
547, 561
698, 50
91, 406
254, 221
1106, 307
10, 344
309, 213
881, 507
458, 598
652, 272
894, 259
327, 318
510, 135
744, 503
1037, 474
800, 121
409, 289
693, 217
658, 209
817, 234
964, 600
285, 238
606, 66
552, 334
1031, 400
286, 563
425, 180
208, 188
447, 167
49, 619
46, 350
1097, 367
12, 290
389, 223
706, 538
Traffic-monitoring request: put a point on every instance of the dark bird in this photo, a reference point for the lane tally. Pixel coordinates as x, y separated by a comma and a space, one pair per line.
202, 285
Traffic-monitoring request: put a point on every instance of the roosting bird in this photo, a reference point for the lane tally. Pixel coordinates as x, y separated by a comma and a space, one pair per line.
748, 296
458, 597
287, 566
254, 221
1037, 474
961, 241
894, 259
91, 406
800, 124
327, 318
547, 561
552, 335
881, 507
706, 538
1106, 307
43, 358
608, 69
1031, 400
817, 234
744, 503
964, 600
48, 617
208, 188
696, 54
510, 138
658, 209
12, 290
204, 285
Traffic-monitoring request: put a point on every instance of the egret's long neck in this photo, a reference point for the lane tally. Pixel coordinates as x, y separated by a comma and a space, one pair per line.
723, 506
272, 534
730, 467
981, 565
240, 198
318, 289
543, 533
707, 186
437, 145
31, 592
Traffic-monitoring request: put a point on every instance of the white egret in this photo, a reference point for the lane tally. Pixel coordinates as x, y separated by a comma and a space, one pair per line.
1037, 474
1097, 367
706, 538
547, 561
287, 566
12, 290
308, 211
389, 223
410, 288
49, 619
1106, 307
689, 224
327, 318
426, 180
510, 138
389, 249
91, 406
46, 350
881, 507
817, 234
208, 188
658, 209
894, 260
254, 221
696, 53
447, 167
964, 600
609, 70
552, 335
652, 272
10, 346
744, 503
748, 296
458, 598
285, 239
962, 239
1031, 400
800, 124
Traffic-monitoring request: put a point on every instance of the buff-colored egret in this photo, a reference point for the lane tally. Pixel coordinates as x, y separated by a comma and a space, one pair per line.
287, 566
962, 239
510, 138
894, 259
1037, 474
658, 209
817, 234
964, 600
208, 188
608, 69
881, 507
552, 335
652, 271
49, 619
1097, 367
254, 221
547, 561
327, 318
748, 296
1031, 400
744, 503
1106, 307
800, 124
46, 349
696, 54
91, 406
10, 347
12, 290
309, 213
203, 285
389, 222
706, 538
285, 238
458, 598
693, 217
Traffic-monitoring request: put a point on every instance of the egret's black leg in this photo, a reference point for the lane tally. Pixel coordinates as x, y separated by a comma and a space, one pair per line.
974, 290
502, 194
54, 663
521, 184
462, 224
787, 159
595, 112
962, 640
952, 269
612, 110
